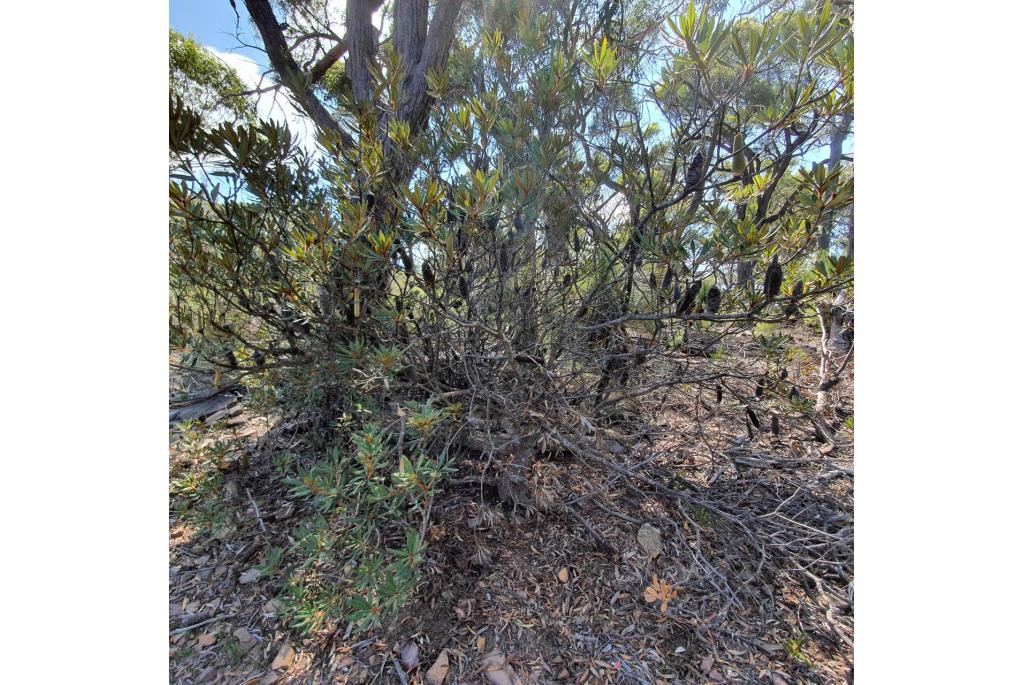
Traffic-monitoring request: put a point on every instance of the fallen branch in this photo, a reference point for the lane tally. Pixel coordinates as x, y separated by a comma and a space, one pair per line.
602, 543
179, 631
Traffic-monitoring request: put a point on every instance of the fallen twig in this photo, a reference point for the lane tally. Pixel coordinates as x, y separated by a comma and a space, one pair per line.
185, 629
259, 519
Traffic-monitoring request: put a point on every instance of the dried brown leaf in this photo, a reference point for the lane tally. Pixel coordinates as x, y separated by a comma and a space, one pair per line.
285, 657
660, 591
436, 674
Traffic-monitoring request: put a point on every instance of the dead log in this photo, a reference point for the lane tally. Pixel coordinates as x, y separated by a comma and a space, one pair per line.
203, 409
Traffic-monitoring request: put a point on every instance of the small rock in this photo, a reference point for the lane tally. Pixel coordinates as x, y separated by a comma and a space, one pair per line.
410, 655
245, 638
286, 510
207, 639
563, 575
706, 663
250, 576
496, 672
285, 657
779, 679
225, 532
613, 446
649, 539
231, 490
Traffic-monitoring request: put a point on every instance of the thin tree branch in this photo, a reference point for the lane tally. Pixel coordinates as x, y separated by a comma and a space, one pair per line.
288, 71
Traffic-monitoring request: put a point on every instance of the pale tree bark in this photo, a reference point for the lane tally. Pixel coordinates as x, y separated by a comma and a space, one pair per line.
361, 46
834, 159
849, 238
416, 101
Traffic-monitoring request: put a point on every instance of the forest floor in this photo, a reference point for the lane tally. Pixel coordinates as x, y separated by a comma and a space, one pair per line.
753, 582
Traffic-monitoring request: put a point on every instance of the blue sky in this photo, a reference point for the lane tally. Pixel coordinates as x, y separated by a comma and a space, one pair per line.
212, 23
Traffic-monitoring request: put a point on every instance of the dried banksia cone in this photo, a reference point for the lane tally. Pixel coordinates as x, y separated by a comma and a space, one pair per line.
783, 375
713, 300
576, 242
259, 358
231, 359
406, 262
567, 280
669, 275
775, 426
693, 172
676, 294
739, 159
798, 291
463, 288
773, 278
428, 273
504, 258
759, 390
653, 281
718, 394
689, 298
752, 415
750, 431
794, 394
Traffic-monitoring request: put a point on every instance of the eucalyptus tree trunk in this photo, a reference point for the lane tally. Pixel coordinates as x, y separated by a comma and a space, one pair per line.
834, 159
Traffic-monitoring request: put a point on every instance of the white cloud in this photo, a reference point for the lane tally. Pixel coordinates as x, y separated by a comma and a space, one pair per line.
273, 105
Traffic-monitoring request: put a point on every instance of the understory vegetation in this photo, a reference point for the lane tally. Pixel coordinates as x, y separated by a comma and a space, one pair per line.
542, 258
